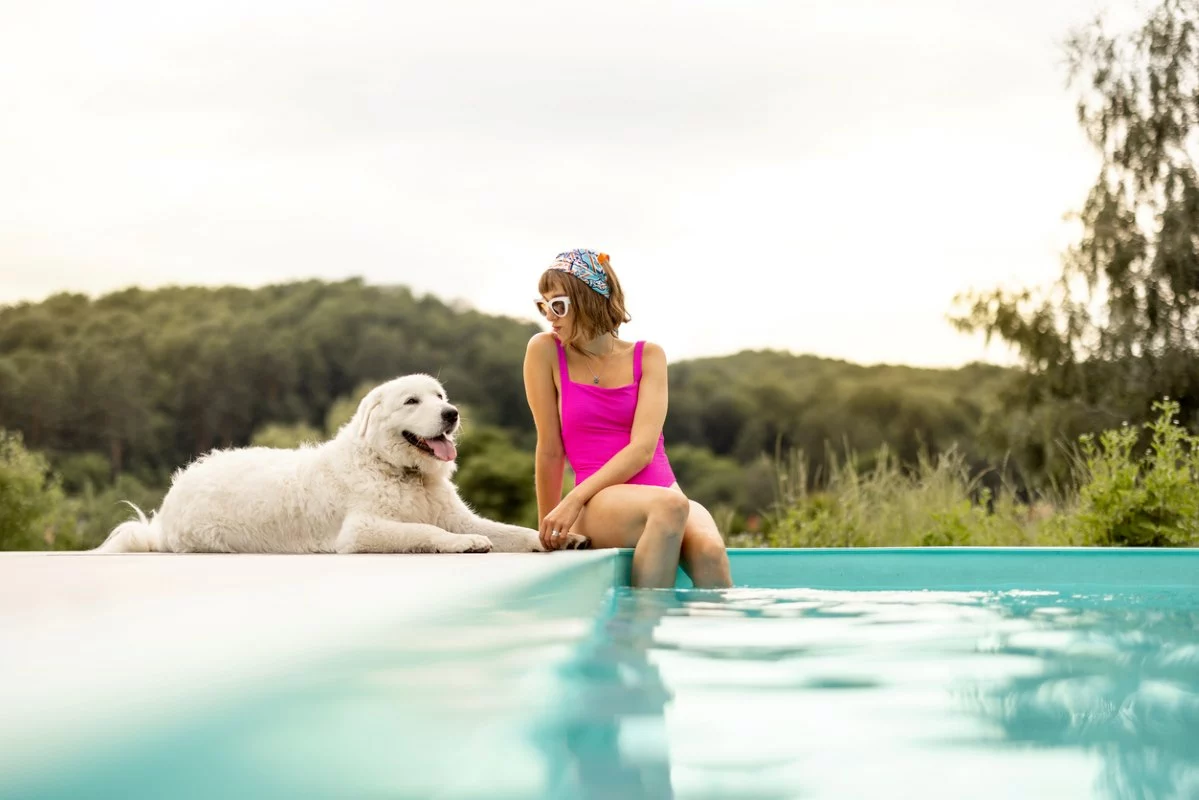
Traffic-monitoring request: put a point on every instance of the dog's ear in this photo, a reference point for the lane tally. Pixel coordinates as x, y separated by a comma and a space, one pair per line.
364, 423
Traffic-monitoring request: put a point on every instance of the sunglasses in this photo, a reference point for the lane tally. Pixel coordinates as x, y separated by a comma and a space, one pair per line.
558, 306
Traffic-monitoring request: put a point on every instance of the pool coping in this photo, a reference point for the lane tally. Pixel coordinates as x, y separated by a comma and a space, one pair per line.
101, 638
957, 568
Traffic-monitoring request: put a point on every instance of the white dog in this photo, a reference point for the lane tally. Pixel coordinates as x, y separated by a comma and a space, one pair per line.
381, 485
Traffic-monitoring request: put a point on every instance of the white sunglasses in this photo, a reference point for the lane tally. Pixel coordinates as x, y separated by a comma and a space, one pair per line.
559, 306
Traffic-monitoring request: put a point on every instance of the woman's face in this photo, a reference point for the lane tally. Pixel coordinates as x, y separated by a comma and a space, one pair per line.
556, 308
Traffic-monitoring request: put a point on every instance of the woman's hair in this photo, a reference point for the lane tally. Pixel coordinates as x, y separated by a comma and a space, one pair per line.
592, 314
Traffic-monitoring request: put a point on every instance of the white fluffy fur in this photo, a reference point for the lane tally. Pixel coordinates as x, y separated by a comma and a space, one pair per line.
367, 490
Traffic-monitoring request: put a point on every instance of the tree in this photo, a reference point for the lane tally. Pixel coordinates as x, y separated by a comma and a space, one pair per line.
1120, 327
30, 497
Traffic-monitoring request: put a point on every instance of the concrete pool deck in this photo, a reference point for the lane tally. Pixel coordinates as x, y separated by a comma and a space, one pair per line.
90, 640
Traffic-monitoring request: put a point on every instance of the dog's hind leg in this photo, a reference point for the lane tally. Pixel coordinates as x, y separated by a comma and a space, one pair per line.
363, 533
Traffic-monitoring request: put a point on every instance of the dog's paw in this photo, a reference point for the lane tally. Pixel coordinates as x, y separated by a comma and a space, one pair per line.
575, 541
467, 543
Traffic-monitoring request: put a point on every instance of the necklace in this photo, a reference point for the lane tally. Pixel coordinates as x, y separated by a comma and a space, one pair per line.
595, 379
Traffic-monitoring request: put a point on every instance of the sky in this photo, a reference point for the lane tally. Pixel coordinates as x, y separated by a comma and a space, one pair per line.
820, 177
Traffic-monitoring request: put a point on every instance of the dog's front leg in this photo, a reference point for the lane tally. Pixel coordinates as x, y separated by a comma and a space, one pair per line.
504, 538
365, 533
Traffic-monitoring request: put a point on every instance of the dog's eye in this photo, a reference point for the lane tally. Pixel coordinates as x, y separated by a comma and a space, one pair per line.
411, 401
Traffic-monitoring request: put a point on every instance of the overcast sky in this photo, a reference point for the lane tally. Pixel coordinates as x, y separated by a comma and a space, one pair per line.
821, 177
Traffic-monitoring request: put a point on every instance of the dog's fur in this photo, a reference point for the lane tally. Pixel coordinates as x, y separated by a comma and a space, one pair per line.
370, 489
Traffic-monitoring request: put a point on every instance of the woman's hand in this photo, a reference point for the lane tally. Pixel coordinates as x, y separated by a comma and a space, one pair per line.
556, 525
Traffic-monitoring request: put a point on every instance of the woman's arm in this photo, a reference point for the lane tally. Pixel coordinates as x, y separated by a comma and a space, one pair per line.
652, 401
550, 459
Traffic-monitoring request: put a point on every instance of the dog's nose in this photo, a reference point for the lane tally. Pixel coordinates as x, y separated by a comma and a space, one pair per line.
450, 415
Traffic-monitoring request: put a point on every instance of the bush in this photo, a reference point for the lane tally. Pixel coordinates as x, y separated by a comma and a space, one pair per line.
1120, 498
31, 500
934, 503
1150, 501
495, 477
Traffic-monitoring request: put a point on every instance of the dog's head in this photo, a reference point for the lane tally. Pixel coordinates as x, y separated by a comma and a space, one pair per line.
408, 422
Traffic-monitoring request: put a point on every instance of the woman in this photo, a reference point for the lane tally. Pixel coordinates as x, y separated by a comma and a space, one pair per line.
599, 402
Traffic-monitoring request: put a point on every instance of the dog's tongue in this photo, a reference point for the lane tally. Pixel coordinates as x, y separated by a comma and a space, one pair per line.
443, 448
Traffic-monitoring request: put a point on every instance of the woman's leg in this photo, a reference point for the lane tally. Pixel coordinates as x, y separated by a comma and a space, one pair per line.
703, 554
650, 519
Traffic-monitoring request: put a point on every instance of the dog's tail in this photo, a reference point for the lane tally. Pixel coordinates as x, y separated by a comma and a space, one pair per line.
139, 535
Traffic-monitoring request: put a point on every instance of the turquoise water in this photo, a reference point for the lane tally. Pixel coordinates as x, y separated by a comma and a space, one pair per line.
858, 685
818, 693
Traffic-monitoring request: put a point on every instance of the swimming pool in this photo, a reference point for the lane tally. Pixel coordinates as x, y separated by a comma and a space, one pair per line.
900, 673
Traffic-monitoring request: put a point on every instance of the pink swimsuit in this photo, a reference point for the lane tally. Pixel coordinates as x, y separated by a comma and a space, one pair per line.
597, 423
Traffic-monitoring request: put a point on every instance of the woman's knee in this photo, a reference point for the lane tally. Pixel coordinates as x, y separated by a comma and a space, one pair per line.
620, 515
705, 547
671, 510
703, 537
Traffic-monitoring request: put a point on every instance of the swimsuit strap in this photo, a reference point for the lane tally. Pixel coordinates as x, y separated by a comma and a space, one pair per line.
563, 369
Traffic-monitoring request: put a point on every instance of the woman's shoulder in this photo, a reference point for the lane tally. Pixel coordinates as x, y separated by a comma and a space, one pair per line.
653, 357
651, 350
543, 343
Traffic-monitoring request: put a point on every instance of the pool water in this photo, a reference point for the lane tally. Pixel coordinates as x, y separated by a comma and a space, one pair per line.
847, 694
927, 675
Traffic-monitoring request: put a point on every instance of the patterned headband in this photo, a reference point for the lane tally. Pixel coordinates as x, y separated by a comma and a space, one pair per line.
588, 266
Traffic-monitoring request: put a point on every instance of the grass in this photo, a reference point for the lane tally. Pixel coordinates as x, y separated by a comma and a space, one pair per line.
1122, 495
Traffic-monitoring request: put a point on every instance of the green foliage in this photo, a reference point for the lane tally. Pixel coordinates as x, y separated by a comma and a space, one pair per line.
495, 476
1124, 496
152, 379
758, 402
1146, 501
30, 499
343, 409
78, 470
718, 479
96, 511
934, 503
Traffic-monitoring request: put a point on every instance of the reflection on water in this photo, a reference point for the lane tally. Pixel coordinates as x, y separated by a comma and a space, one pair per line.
606, 735
1120, 678
783, 693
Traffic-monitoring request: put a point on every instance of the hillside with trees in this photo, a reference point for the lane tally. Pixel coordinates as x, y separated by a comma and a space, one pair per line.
116, 392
